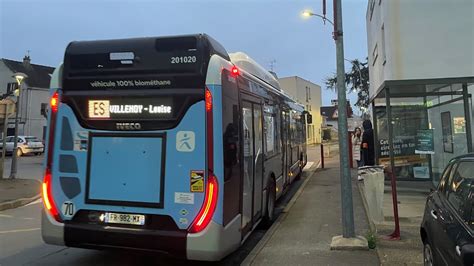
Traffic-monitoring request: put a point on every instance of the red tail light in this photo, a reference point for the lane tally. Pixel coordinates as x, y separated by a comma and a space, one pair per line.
46, 187
210, 198
208, 207
54, 102
208, 99
235, 71
48, 197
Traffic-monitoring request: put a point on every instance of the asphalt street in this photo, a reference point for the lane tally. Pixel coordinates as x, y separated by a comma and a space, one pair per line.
21, 243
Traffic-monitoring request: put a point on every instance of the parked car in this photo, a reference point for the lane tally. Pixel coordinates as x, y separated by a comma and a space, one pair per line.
26, 145
447, 228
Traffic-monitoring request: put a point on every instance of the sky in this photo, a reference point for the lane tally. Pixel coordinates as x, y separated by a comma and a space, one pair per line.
267, 30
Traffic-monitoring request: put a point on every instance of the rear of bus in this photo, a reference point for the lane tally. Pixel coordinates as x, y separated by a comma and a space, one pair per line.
130, 148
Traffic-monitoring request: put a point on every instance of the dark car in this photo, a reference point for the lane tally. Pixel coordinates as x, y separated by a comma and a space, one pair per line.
447, 228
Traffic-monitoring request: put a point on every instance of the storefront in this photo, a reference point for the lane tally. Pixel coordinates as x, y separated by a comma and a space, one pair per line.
430, 124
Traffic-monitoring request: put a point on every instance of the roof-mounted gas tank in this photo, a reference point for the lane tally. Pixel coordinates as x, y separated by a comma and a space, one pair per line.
246, 63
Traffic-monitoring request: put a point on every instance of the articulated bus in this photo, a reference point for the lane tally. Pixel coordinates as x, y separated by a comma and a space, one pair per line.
166, 144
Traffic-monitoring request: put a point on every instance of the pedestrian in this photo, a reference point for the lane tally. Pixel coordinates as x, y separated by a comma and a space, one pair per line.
356, 143
368, 149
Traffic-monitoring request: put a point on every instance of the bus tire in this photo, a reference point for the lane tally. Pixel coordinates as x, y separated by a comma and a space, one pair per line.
270, 208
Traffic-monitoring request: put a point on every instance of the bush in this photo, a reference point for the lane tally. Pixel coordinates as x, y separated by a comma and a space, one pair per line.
371, 240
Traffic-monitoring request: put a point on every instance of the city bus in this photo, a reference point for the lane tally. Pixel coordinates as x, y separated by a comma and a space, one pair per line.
166, 144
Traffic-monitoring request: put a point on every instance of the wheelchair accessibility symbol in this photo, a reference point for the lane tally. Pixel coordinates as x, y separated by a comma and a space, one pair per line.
185, 141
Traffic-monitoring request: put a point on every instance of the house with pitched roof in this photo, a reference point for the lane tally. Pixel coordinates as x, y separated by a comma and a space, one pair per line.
34, 95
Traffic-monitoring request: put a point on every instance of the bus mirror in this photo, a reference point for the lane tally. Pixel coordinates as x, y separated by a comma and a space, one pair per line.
309, 118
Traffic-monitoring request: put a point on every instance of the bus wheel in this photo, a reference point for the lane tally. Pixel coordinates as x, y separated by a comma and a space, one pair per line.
271, 198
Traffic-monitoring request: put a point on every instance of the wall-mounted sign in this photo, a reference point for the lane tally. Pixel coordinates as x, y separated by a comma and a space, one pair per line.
424, 141
401, 146
459, 125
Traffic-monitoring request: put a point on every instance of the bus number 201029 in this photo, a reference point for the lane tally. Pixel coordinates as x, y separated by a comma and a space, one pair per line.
183, 59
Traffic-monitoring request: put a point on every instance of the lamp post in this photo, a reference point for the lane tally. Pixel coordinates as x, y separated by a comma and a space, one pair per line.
20, 77
348, 238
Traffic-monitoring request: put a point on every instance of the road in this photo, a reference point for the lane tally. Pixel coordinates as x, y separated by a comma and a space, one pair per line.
21, 243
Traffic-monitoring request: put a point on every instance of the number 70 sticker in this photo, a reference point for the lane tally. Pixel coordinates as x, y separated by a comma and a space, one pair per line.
68, 209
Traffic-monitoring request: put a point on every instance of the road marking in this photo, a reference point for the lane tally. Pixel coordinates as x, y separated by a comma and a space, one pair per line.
7, 216
34, 202
19, 230
308, 165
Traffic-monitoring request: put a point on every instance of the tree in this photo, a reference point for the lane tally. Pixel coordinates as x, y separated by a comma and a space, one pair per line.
357, 80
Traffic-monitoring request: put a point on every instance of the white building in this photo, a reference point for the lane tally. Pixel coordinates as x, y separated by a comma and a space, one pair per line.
419, 39
421, 66
34, 95
308, 94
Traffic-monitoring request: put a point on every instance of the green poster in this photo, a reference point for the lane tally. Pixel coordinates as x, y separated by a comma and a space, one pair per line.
424, 141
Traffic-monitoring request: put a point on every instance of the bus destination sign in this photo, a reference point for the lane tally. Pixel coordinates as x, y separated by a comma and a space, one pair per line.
119, 109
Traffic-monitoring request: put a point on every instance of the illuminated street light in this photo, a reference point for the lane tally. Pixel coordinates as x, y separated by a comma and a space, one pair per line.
308, 13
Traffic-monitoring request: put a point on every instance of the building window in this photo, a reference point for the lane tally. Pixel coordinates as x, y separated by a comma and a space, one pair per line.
308, 96
372, 6
375, 55
384, 59
11, 87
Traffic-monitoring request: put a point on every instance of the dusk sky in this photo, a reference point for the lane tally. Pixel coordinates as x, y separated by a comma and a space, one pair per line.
266, 30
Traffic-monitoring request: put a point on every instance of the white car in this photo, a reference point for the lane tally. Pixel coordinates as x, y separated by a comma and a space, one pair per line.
26, 145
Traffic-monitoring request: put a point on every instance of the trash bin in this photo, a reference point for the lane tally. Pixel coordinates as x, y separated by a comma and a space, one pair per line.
374, 189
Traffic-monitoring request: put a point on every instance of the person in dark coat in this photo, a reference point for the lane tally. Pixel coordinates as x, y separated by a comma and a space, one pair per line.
367, 145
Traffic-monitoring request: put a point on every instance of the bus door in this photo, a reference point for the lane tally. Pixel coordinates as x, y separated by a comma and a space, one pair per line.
286, 147
252, 175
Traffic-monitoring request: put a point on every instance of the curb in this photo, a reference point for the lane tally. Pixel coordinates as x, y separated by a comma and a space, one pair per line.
266, 237
371, 224
17, 203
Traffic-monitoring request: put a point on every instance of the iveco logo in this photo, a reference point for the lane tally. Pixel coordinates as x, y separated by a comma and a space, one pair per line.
128, 126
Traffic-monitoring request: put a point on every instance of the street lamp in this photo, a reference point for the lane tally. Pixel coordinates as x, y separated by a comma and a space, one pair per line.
308, 13
19, 77
348, 238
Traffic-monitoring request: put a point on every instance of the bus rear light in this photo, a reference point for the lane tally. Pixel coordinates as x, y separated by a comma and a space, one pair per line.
235, 71
48, 196
54, 102
208, 97
204, 216
210, 198
47, 182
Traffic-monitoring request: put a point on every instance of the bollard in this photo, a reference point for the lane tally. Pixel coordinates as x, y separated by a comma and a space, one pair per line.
322, 155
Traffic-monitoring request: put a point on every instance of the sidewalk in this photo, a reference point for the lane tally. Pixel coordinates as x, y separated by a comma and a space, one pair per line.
26, 187
411, 204
18, 192
303, 234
